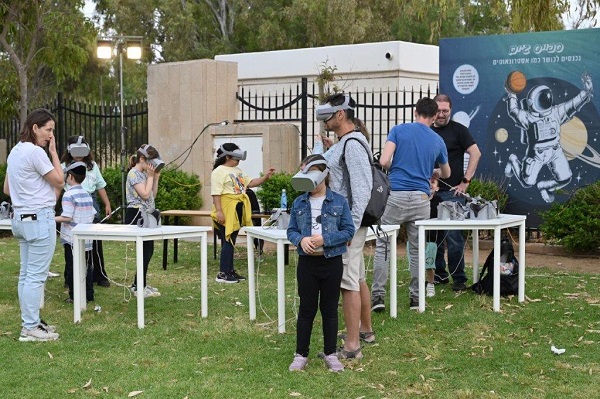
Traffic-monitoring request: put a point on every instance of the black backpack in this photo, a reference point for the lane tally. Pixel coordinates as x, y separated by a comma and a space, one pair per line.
509, 284
379, 193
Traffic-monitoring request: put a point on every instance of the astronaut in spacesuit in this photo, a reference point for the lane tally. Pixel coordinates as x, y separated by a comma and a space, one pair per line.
540, 121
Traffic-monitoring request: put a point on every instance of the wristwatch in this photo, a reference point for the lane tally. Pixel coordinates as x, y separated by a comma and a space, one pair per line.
466, 181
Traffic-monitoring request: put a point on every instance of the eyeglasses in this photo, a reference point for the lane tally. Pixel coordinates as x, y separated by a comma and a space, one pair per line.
317, 222
443, 111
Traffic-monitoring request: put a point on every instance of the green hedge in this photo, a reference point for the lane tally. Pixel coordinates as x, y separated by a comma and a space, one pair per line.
269, 193
575, 224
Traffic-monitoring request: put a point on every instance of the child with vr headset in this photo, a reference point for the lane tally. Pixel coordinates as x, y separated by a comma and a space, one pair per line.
231, 205
77, 207
78, 150
141, 188
320, 227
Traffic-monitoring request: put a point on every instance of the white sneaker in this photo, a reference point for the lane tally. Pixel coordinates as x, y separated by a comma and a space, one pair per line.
153, 289
147, 292
430, 290
38, 334
298, 363
52, 274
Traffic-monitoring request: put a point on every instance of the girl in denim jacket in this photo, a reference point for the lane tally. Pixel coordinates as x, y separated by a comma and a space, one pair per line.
320, 227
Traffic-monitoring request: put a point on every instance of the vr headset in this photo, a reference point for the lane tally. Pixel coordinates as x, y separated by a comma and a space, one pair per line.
308, 180
157, 163
325, 111
78, 168
235, 154
79, 149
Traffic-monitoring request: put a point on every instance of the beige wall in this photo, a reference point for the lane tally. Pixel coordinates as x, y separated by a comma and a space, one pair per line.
185, 97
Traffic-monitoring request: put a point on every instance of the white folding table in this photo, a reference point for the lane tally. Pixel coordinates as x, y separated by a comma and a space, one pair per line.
119, 232
503, 221
280, 238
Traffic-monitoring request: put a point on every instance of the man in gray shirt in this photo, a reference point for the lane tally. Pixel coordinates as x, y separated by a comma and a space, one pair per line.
352, 179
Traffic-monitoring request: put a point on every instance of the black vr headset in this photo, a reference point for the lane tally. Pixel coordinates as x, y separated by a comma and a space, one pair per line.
157, 163
79, 149
235, 154
308, 180
325, 111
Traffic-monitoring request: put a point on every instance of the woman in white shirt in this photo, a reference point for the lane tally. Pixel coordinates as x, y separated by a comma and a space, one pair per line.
33, 181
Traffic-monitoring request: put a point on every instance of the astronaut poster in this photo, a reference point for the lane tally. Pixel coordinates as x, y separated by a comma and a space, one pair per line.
528, 100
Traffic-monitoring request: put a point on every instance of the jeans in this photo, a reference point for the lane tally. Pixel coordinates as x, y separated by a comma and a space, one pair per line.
89, 283
456, 244
37, 242
227, 247
402, 207
319, 281
132, 215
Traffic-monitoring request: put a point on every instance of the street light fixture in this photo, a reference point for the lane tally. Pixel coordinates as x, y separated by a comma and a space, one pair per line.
106, 49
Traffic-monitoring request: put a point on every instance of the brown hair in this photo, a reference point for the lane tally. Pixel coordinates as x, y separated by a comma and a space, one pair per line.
39, 117
135, 159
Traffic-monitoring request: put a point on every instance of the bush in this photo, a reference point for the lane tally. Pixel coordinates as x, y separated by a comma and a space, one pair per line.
269, 193
489, 189
575, 224
176, 190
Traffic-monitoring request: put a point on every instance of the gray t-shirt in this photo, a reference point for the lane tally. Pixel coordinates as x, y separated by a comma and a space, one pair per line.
359, 178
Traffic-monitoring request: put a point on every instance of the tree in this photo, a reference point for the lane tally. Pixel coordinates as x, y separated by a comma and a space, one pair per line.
46, 43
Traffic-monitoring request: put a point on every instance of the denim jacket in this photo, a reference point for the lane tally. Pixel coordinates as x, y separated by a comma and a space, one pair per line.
337, 226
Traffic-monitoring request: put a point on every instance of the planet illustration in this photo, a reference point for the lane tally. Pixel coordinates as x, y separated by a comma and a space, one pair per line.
573, 140
463, 118
501, 135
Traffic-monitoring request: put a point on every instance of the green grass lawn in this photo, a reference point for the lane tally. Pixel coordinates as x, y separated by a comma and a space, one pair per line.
458, 348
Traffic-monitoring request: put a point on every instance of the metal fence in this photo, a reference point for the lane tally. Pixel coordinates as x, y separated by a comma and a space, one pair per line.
99, 123
380, 110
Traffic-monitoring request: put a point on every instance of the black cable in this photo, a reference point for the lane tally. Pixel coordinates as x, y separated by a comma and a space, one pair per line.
189, 149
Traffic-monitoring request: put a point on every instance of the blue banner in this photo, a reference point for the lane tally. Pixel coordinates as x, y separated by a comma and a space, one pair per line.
528, 102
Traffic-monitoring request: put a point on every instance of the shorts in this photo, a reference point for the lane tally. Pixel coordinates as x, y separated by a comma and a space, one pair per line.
354, 262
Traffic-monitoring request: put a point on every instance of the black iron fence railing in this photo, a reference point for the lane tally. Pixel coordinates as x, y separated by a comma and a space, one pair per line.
99, 123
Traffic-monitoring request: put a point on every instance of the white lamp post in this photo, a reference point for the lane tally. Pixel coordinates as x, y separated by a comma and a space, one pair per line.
107, 48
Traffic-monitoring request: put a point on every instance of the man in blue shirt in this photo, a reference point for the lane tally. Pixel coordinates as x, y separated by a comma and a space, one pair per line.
410, 154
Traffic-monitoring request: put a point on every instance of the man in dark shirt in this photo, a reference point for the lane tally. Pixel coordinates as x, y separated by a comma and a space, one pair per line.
458, 141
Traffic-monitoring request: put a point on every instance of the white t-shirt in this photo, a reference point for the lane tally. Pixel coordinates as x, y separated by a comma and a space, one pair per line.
27, 164
316, 204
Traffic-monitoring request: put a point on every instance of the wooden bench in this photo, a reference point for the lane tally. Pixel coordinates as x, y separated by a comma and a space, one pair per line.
176, 214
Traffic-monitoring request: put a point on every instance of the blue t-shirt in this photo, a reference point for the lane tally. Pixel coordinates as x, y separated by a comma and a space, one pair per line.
418, 148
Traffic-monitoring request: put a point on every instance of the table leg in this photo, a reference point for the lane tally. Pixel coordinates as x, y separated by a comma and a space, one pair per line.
165, 247
522, 262
497, 232
79, 279
421, 269
475, 256
203, 275
175, 242
139, 262
251, 282
280, 286
393, 274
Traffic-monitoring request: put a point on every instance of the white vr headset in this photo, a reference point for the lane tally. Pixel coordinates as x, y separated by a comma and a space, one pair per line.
235, 154
157, 163
308, 180
79, 149
78, 168
325, 111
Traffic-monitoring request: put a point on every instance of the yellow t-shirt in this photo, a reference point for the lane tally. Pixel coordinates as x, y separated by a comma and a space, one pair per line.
228, 180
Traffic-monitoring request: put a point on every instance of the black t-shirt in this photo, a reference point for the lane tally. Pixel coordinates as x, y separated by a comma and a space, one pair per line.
457, 139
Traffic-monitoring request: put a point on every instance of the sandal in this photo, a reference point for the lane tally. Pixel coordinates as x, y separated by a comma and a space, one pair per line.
365, 336
355, 354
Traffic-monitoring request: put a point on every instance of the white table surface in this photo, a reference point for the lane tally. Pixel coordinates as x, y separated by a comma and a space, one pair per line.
501, 222
5, 224
120, 232
280, 238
